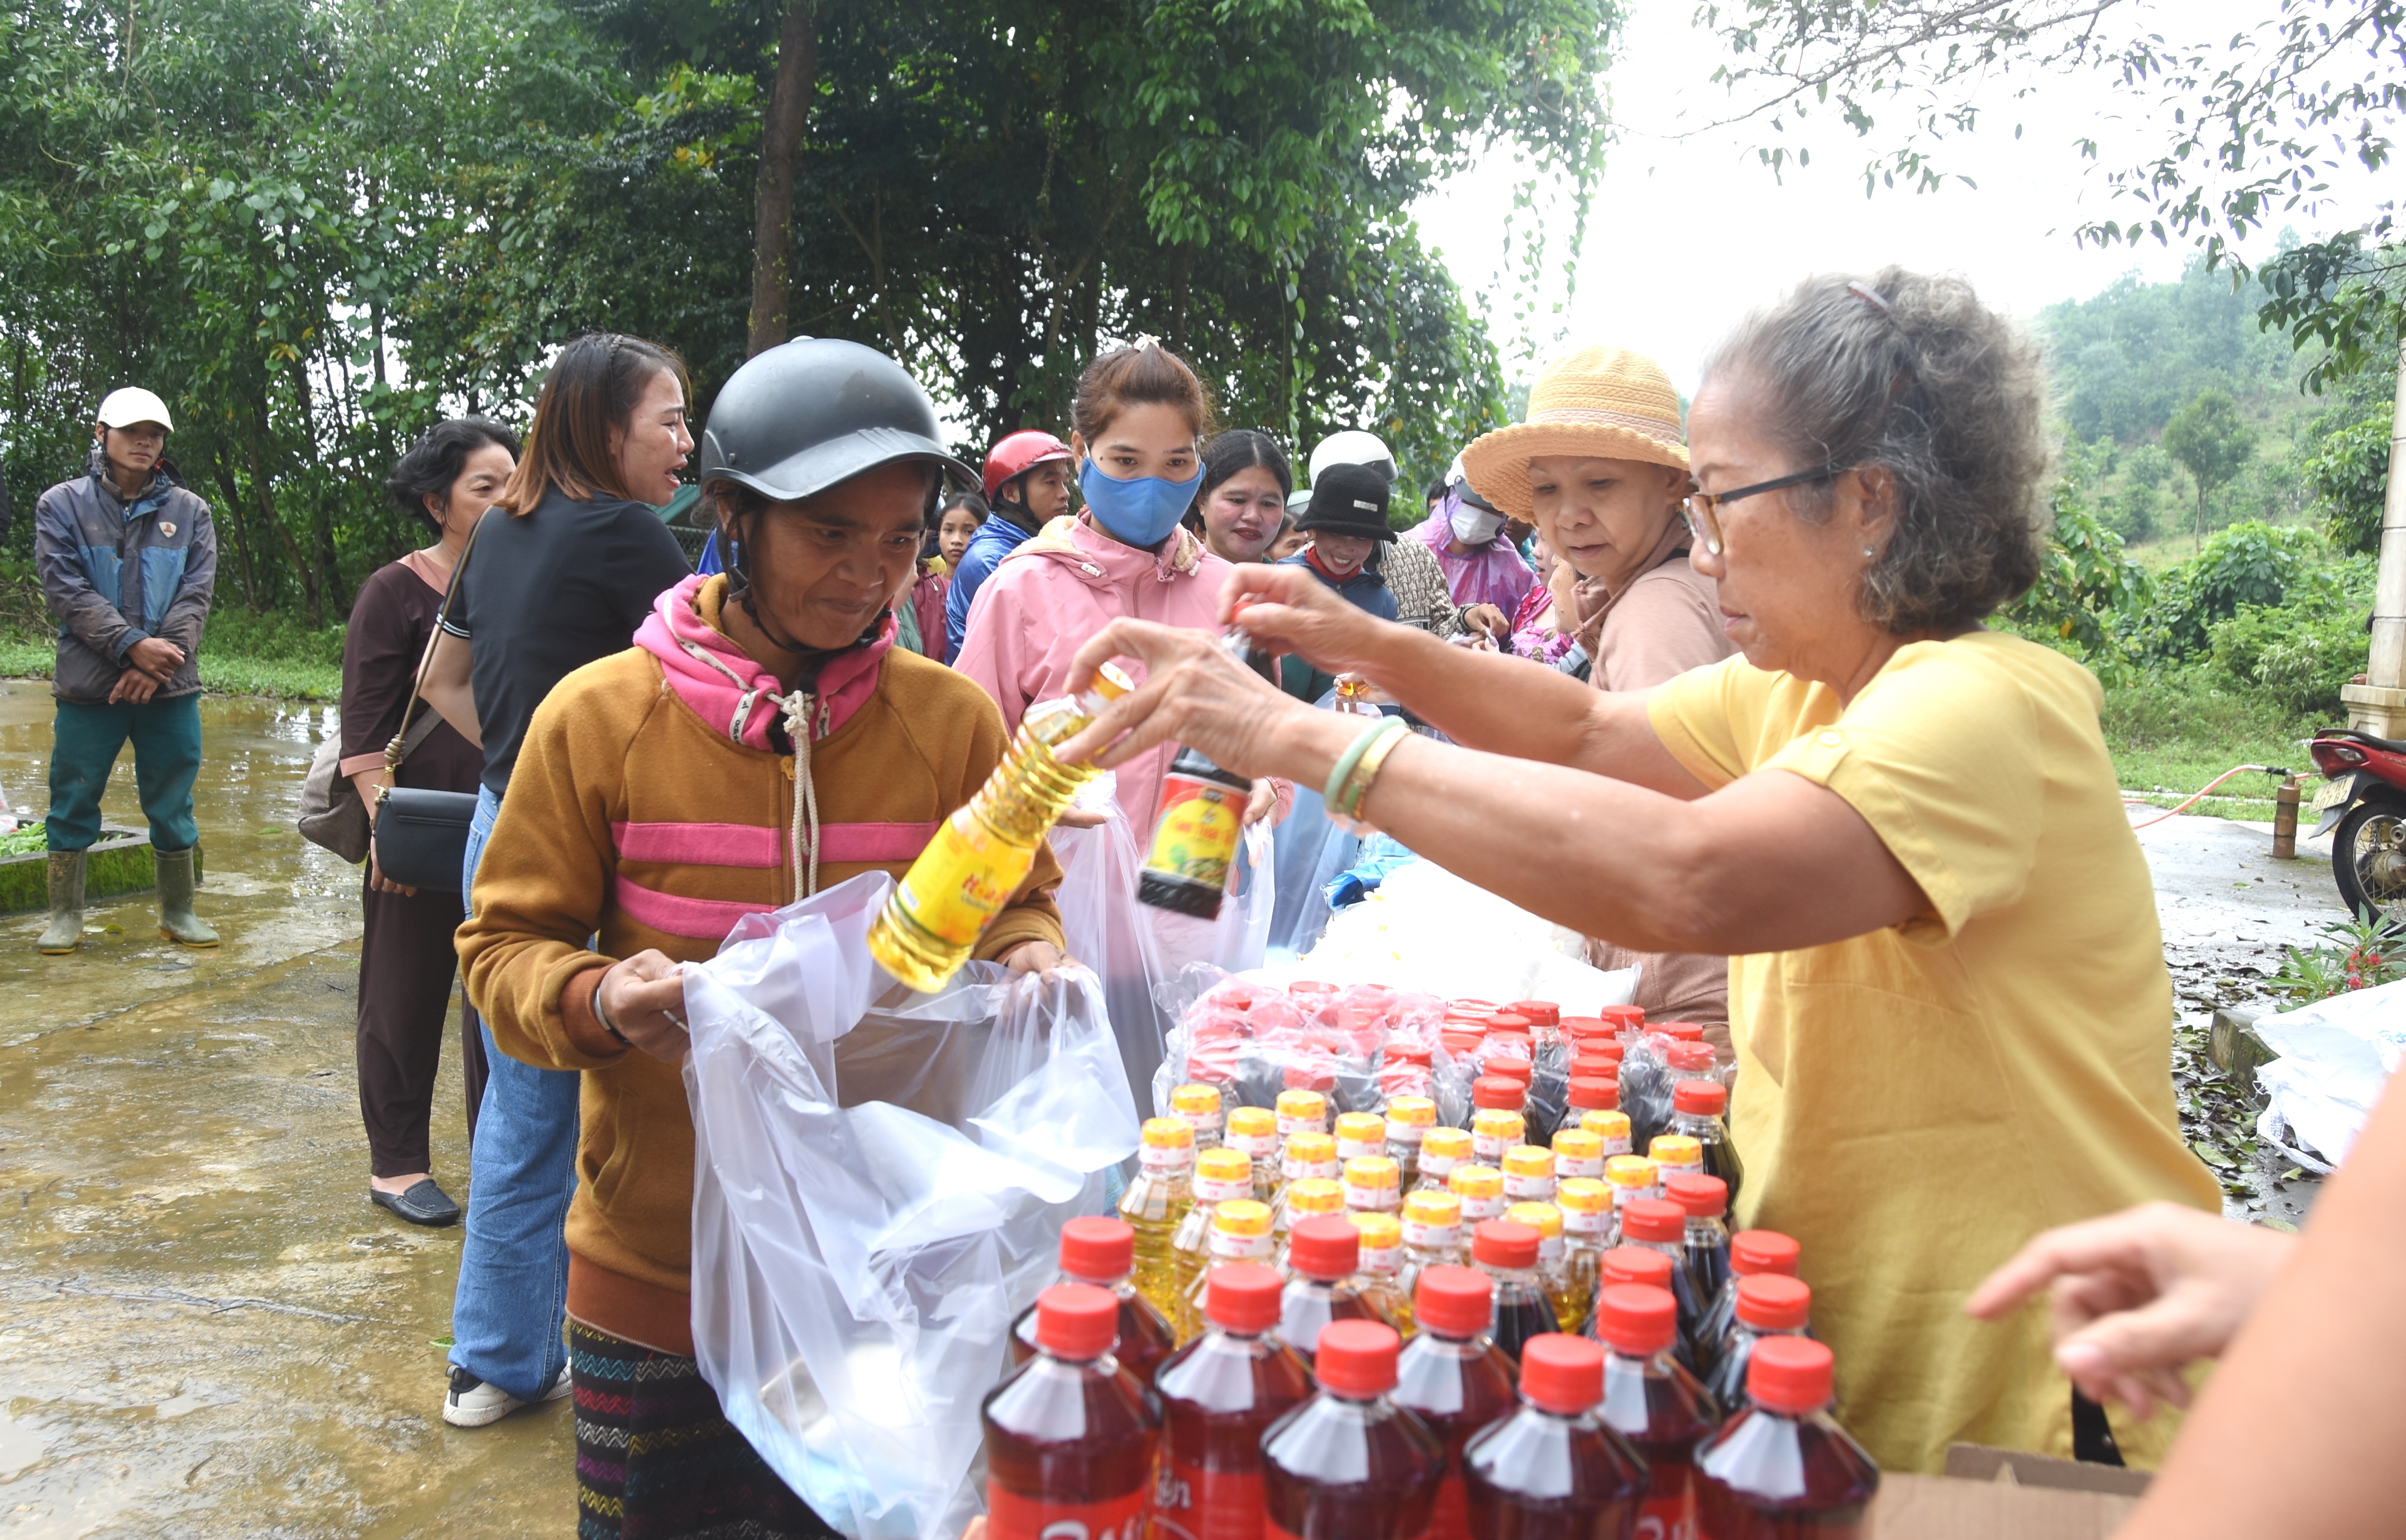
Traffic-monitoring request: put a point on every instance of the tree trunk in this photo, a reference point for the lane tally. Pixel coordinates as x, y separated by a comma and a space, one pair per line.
313, 603
329, 587
772, 201
237, 527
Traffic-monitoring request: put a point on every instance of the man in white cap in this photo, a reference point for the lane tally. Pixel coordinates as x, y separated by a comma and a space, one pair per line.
128, 559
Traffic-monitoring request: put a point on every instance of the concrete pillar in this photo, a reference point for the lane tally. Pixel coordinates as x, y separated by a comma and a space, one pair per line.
2377, 706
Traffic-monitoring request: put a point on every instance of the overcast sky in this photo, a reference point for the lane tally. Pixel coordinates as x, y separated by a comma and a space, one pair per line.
1688, 233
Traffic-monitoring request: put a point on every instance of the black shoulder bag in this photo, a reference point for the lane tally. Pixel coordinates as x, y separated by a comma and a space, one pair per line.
421, 835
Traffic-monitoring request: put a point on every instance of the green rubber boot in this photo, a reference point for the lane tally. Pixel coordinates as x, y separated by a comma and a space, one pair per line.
176, 921
64, 932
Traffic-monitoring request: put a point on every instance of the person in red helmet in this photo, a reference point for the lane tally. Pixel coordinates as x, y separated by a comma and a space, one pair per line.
1027, 484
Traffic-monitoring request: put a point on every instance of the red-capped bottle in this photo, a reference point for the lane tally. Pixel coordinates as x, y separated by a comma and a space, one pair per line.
1654, 1401
1454, 1378
1662, 1225
1629, 1265
1700, 1109
1751, 1251
1219, 1395
1323, 1252
1507, 1252
1555, 1467
1707, 1201
1769, 1304
1100, 1250
1070, 1435
1349, 1464
1781, 1469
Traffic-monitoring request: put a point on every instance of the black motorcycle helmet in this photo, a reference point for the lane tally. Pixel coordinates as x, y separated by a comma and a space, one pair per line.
811, 413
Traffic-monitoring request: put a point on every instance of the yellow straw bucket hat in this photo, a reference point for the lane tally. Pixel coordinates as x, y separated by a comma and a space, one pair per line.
1599, 402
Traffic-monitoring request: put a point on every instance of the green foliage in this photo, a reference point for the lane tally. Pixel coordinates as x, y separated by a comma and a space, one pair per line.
2127, 357
2248, 563
2086, 589
315, 225
2298, 656
2211, 442
2349, 476
2364, 953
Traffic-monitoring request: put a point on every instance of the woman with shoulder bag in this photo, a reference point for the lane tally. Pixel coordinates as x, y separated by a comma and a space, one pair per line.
448, 479
564, 569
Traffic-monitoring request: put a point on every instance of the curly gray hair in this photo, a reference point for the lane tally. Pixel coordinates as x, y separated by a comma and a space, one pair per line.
1912, 374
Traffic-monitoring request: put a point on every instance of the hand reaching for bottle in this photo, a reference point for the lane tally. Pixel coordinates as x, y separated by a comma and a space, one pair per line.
2139, 1295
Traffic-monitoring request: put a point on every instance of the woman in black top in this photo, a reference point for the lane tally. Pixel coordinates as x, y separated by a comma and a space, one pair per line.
448, 479
565, 567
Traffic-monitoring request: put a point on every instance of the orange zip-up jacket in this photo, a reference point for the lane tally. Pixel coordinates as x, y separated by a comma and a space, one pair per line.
650, 807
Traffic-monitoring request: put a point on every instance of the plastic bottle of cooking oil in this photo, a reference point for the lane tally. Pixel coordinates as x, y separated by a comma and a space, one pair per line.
1254, 1131
1442, 1150
1308, 1198
1156, 1204
1553, 1262
1586, 1204
1309, 1156
1221, 1176
1199, 1104
981, 854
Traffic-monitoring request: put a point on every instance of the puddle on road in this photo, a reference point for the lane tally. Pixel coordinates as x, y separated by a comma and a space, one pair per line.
205, 1329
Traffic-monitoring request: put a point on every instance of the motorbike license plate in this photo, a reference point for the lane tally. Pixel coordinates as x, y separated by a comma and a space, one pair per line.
2334, 792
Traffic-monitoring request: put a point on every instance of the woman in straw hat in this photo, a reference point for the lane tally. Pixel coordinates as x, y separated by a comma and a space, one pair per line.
1601, 467
1946, 985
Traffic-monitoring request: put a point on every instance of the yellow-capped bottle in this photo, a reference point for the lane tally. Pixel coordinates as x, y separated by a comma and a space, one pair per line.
1577, 1153
1553, 1262
1301, 1112
1254, 1131
1492, 1131
1221, 1176
1199, 1104
1408, 1121
1309, 1157
1156, 1204
1528, 1174
1631, 1178
1241, 1232
1308, 1198
1360, 1134
1443, 1150
1378, 1272
983, 852
1675, 1156
1613, 1127
1373, 1185
1586, 1204
1432, 1232
1480, 1188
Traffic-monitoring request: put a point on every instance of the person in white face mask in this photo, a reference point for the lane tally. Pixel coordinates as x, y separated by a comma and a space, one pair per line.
1468, 536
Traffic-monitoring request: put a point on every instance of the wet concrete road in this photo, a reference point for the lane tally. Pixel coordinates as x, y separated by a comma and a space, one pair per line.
204, 1328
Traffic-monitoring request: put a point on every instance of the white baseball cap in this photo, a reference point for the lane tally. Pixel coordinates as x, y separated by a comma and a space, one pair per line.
133, 404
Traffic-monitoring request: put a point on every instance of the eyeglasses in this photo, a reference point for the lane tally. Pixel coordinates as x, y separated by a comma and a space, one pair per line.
1704, 508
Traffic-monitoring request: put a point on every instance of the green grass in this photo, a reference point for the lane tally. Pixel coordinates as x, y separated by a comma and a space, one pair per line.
241, 653
2180, 732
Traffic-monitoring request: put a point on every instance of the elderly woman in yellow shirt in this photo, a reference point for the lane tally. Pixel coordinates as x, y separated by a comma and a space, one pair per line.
1946, 987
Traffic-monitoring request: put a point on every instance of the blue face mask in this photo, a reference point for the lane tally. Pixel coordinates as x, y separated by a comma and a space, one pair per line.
1142, 509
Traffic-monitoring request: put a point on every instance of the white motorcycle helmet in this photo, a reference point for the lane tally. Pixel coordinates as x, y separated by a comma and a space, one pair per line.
1353, 447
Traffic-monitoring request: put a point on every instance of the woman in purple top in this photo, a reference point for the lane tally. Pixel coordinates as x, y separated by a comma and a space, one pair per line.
1467, 533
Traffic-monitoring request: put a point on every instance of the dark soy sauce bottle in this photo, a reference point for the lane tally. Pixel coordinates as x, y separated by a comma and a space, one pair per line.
1781, 1469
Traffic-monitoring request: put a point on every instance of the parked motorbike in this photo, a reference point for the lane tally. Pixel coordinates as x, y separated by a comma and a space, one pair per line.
2362, 805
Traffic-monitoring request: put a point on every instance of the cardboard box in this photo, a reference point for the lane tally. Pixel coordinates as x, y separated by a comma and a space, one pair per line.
2004, 1494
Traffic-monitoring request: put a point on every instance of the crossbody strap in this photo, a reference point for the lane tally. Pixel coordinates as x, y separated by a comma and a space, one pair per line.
405, 740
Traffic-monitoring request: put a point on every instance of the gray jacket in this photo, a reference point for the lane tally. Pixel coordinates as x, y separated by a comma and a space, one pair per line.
114, 574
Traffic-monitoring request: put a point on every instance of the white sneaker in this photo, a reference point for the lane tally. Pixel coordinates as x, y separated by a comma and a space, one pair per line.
470, 1403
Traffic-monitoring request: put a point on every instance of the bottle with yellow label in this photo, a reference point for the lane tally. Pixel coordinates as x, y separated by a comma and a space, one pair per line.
981, 854
1254, 1131
1443, 1150
1480, 1188
1372, 1185
1611, 1126
1492, 1131
1241, 1232
1528, 1174
1432, 1232
1675, 1156
1221, 1176
1586, 1204
1154, 1205
1308, 1198
1194, 838
1408, 1121
1553, 1262
1360, 1134
1631, 1178
1577, 1153
1309, 1156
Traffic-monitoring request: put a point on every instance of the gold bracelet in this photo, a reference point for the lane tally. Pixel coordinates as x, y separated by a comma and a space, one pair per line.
1357, 784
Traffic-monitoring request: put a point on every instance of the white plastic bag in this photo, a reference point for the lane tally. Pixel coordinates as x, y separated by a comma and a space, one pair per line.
880, 1181
2336, 1057
1136, 949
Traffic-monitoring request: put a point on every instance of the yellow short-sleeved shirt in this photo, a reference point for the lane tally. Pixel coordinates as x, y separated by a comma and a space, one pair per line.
1914, 1104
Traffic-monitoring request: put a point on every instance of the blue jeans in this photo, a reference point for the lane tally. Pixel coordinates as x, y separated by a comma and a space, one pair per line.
512, 1305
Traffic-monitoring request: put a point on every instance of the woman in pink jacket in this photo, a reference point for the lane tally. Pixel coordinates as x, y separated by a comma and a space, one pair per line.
1137, 422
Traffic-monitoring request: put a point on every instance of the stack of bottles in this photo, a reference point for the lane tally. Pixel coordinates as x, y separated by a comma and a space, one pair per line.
1297, 1409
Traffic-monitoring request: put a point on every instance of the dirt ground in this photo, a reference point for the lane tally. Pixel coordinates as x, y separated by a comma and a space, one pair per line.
205, 1329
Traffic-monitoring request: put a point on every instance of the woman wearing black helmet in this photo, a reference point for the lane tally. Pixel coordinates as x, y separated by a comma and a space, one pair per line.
790, 746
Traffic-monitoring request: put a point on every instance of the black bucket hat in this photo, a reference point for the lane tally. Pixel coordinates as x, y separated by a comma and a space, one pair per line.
1347, 500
